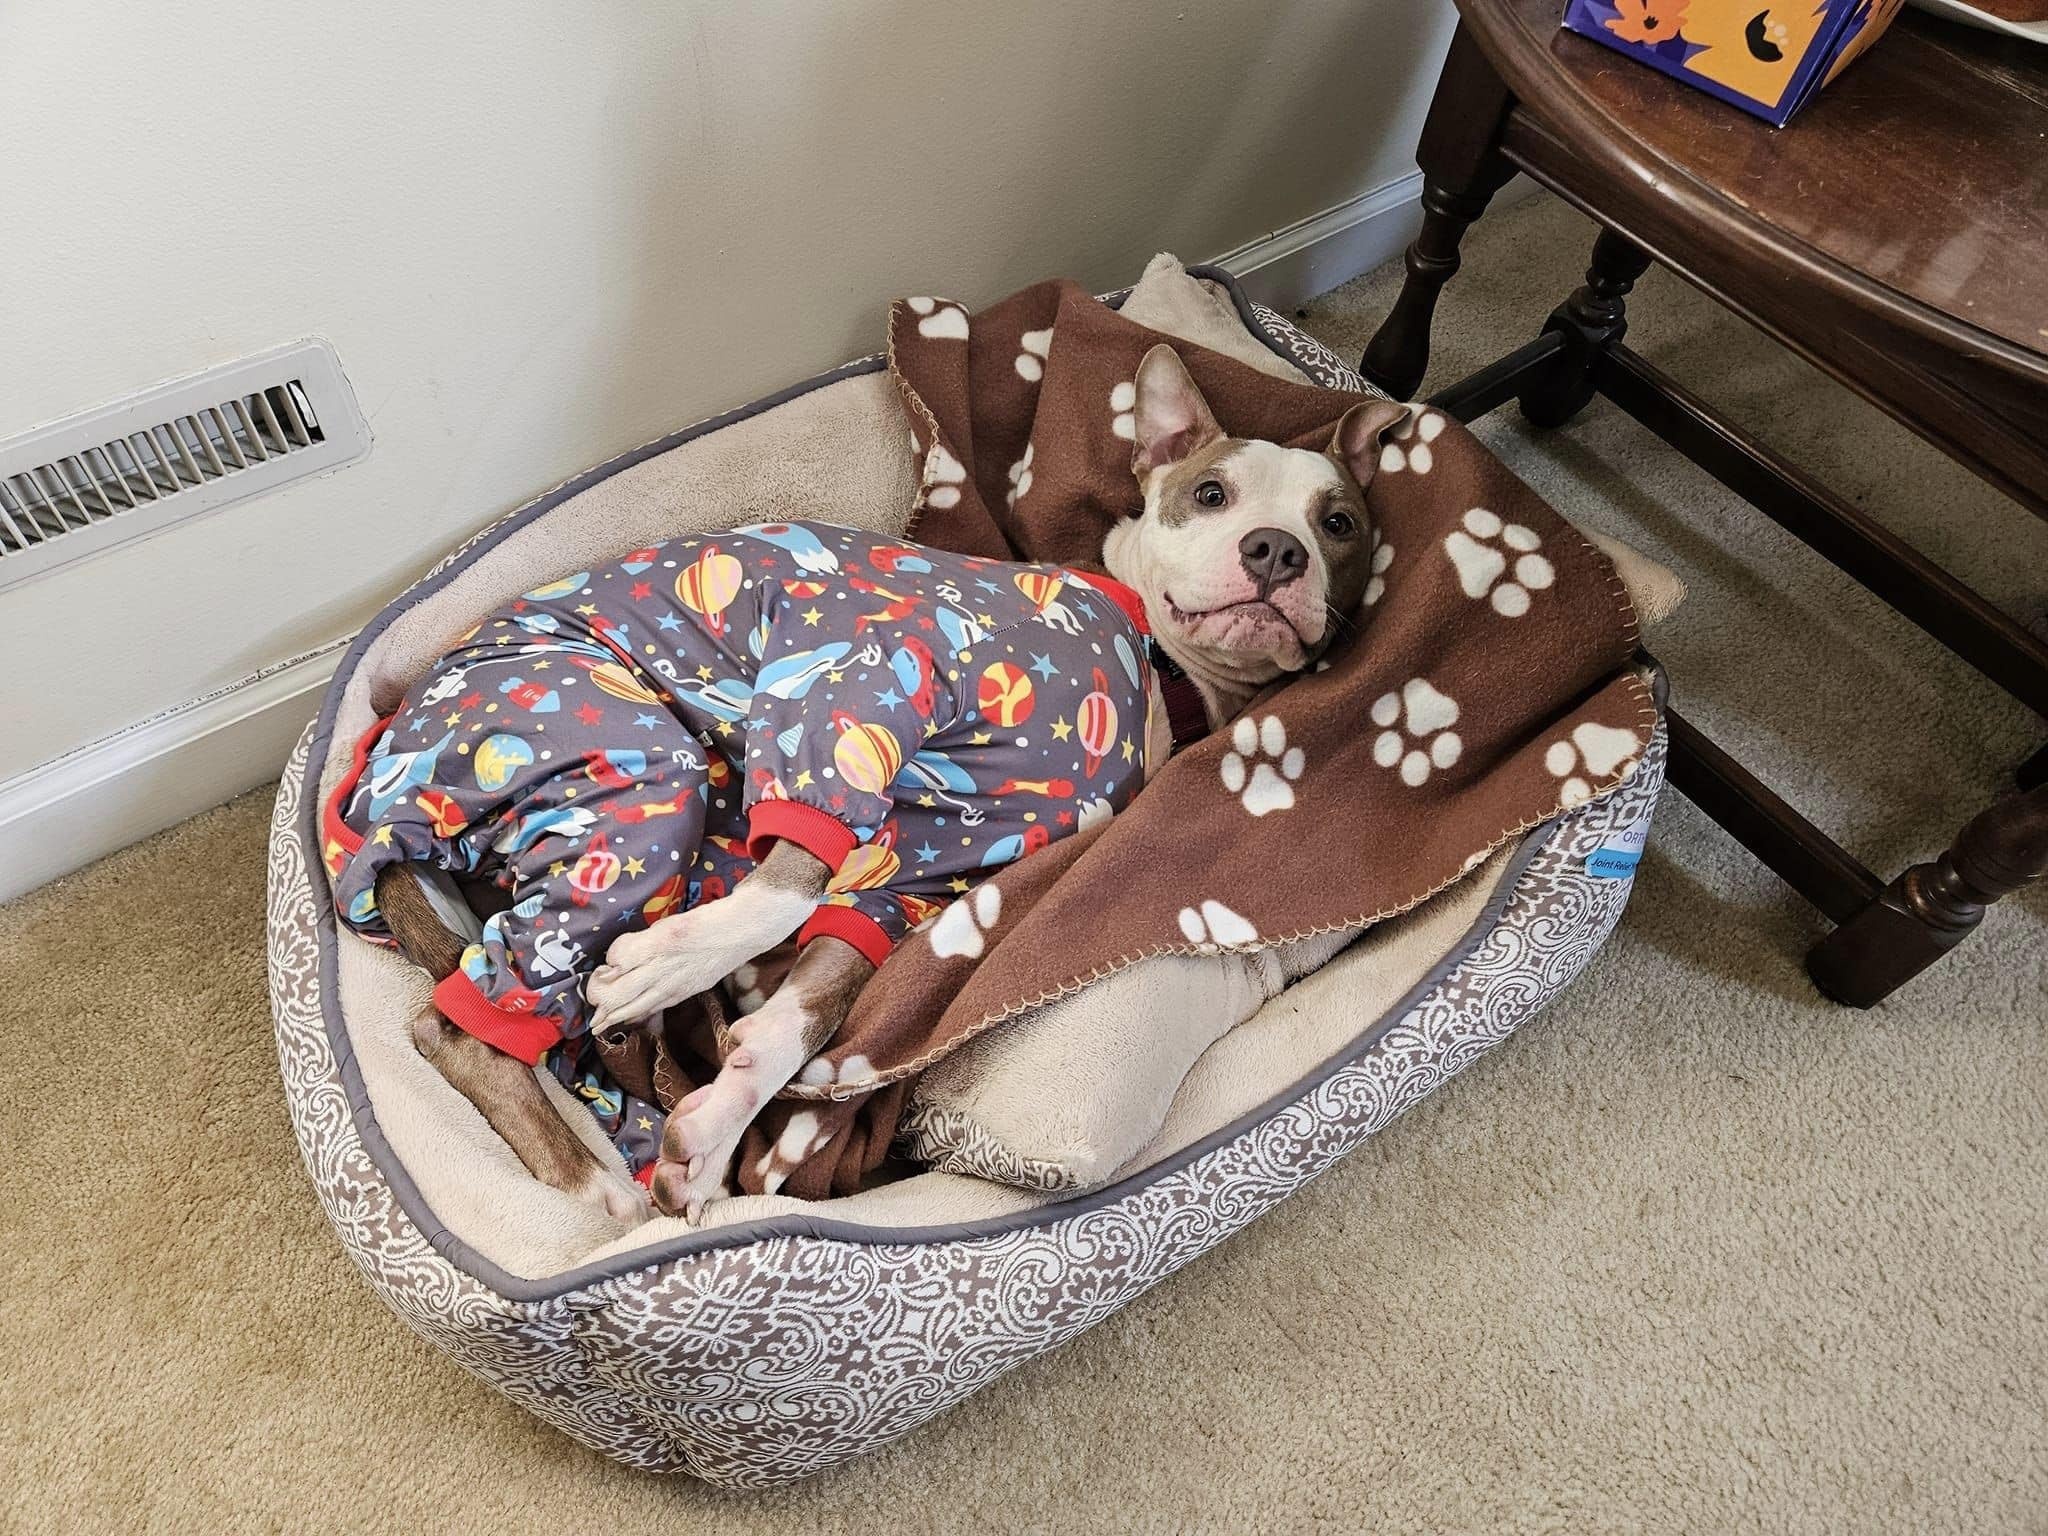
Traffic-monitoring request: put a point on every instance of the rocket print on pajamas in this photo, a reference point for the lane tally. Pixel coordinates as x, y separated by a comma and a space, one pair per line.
624, 743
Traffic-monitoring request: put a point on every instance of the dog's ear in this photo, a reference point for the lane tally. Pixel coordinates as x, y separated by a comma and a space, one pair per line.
1356, 442
1170, 415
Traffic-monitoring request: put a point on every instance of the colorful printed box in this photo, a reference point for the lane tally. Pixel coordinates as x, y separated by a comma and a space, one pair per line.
1769, 57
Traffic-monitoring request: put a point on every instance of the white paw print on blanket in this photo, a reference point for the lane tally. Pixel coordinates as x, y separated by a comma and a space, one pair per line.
1424, 740
960, 933
1213, 925
803, 1135
1124, 401
1036, 345
1410, 446
820, 1070
1382, 557
1598, 749
1483, 566
1262, 765
943, 320
1020, 475
943, 475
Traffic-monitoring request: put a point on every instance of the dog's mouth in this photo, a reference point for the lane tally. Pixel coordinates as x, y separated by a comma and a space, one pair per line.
1245, 618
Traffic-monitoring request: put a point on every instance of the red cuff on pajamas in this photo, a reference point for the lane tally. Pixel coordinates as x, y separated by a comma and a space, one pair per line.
526, 1036
339, 834
853, 926
805, 825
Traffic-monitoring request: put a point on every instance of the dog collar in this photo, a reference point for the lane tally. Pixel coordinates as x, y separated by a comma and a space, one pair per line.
1186, 714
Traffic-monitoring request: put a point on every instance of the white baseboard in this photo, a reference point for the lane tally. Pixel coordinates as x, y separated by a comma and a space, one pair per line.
65, 813
1288, 266
79, 807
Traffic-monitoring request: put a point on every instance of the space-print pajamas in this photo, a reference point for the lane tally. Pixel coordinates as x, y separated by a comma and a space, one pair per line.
624, 743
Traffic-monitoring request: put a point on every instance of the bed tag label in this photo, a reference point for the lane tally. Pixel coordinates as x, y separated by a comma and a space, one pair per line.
1617, 858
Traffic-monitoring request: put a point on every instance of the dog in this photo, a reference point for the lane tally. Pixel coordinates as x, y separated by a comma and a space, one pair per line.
1243, 567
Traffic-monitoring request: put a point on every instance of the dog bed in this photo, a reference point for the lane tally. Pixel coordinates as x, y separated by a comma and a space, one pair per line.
787, 1336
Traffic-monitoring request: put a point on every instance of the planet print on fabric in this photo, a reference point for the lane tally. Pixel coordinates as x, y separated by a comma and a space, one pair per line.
594, 873
867, 756
669, 898
869, 865
1005, 695
708, 585
1097, 724
498, 759
443, 814
617, 681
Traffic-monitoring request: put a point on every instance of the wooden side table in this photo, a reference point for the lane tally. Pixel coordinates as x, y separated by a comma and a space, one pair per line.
1895, 236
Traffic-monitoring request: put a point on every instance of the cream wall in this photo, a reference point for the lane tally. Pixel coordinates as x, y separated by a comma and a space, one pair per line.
538, 233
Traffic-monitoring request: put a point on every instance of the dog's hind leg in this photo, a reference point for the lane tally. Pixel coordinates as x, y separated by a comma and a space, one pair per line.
505, 1091
771, 1047
687, 953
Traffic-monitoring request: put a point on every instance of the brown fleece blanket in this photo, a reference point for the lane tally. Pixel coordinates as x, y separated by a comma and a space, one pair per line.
1483, 688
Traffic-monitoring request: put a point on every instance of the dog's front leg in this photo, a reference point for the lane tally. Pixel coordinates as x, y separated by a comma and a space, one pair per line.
680, 956
771, 1046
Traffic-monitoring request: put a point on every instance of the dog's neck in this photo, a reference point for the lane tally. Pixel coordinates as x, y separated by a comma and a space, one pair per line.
1224, 695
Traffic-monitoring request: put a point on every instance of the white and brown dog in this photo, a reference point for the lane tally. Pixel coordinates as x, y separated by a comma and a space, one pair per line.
1249, 559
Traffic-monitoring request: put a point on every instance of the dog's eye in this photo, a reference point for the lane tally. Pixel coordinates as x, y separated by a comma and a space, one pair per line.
1210, 493
1338, 525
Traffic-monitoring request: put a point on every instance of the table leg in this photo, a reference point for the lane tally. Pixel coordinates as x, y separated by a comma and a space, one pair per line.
1462, 168
2033, 773
1932, 907
1593, 319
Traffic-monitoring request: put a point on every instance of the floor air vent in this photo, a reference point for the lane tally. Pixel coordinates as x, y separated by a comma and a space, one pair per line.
132, 469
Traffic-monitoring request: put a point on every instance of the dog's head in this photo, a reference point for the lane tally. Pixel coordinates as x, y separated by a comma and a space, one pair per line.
1250, 557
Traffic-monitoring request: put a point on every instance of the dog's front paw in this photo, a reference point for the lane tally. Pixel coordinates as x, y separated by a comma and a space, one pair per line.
642, 974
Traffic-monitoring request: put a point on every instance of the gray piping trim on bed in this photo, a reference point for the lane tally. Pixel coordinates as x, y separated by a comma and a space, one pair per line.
522, 1289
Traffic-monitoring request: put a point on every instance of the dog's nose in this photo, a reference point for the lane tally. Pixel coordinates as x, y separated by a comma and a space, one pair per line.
1272, 557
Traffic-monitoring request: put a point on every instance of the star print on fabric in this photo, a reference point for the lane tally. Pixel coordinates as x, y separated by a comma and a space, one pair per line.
956, 884
888, 698
644, 1123
925, 853
586, 609
1061, 730
635, 866
986, 586
416, 723
543, 665
470, 700
640, 590
1043, 666
453, 717
980, 739
811, 615
1128, 749
589, 714
668, 623
557, 869
835, 677
647, 722
383, 837
1087, 612
804, 779
1065, 818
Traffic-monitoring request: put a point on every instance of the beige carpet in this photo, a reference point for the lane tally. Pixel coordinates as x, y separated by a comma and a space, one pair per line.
1695, 1253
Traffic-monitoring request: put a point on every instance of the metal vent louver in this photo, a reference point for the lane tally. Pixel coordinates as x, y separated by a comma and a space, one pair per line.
132, 469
